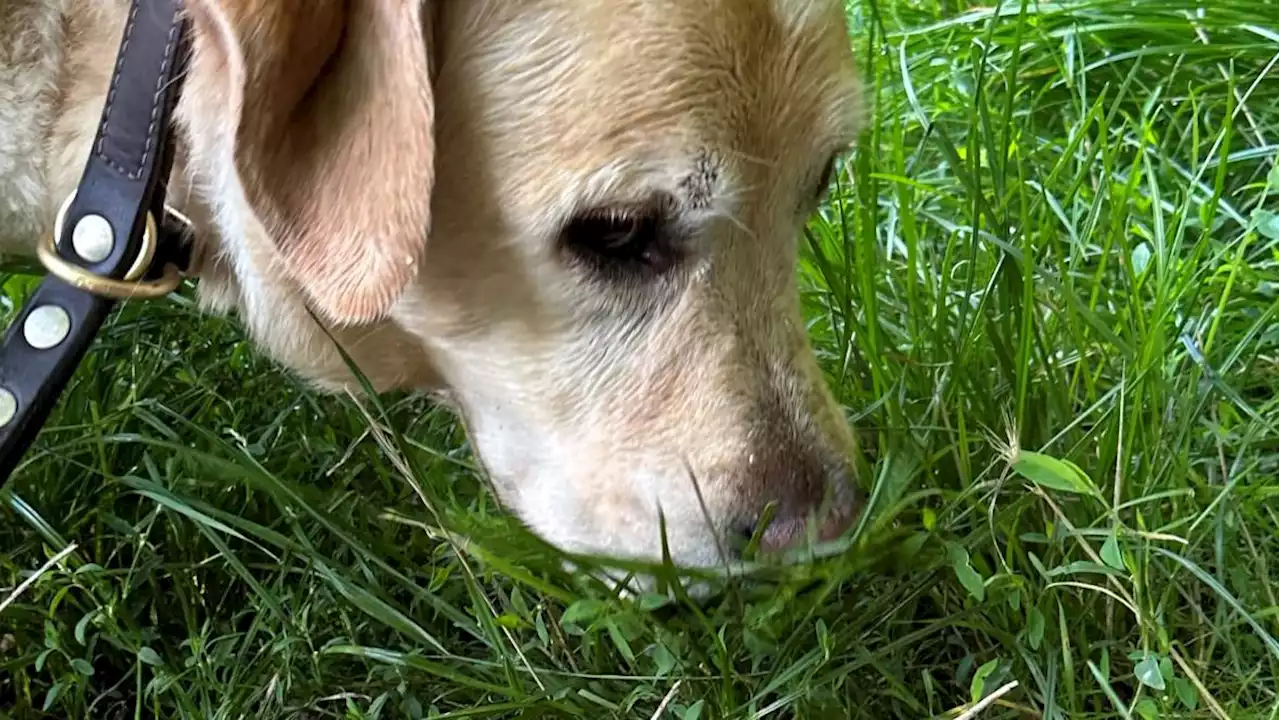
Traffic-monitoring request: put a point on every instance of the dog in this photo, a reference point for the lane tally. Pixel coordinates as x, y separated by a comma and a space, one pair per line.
576, 221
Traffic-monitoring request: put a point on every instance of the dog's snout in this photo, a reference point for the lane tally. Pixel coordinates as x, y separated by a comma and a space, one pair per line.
811, 499
827, 520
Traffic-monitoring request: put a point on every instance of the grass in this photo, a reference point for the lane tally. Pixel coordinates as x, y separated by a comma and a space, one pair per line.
1045, 288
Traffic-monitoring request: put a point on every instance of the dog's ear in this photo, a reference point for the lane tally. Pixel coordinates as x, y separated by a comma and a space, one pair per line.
334, 140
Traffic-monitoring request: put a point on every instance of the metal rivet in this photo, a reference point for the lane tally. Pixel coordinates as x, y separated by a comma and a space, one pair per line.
46, 326
92, 238
8, 407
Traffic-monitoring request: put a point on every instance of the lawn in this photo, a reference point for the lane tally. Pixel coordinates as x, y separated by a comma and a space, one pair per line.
1045, 288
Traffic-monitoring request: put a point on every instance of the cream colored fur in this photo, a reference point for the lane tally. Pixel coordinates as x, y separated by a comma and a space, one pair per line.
406, 170
30, 60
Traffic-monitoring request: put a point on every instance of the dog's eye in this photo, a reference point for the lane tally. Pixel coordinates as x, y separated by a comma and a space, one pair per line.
619, 239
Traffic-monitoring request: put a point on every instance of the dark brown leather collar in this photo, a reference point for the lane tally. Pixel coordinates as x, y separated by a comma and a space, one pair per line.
124, 180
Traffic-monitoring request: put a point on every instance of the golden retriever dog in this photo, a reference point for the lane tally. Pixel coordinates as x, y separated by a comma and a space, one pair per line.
575, 220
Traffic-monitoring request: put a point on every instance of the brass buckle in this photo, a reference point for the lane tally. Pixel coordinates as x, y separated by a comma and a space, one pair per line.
128, 288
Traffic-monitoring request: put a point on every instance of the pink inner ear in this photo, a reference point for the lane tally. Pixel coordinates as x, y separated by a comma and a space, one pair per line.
336, 147
358, 207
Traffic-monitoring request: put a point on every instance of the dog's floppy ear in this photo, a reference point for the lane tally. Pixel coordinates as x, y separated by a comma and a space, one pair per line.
334, 140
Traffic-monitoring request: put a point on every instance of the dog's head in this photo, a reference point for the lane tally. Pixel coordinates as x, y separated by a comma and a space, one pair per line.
578, 219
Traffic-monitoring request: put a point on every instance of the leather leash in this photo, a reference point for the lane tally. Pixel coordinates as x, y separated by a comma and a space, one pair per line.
113, 238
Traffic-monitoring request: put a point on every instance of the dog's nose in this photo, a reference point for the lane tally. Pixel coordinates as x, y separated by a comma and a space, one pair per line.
826, 519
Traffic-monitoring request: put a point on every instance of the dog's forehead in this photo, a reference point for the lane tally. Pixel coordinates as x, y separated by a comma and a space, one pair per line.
738, 94
745, 69
592, 101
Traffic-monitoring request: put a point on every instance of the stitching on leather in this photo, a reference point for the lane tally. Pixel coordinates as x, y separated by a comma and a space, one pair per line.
156, 96
160, 85
115, 82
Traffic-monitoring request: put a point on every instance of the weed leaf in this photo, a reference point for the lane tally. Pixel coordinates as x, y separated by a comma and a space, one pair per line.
1148, 672
1054, 474
1111, 552
977, 684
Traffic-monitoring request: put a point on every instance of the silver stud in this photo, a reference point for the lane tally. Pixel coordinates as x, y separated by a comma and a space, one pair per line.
92, 238
8, 407
46, 326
